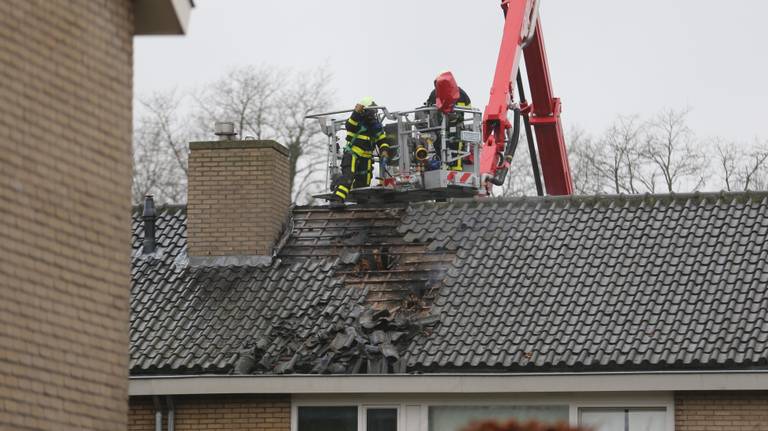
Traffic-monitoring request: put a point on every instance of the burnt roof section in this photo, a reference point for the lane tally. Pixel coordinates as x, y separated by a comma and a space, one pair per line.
335, 270
534, 284
371, 253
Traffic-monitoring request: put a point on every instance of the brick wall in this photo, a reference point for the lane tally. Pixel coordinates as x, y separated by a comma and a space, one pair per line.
721, 411
223, 412
65, 171
238, 199
141, 414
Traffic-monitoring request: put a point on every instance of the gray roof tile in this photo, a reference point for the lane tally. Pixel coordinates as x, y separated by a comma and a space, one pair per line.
536, 284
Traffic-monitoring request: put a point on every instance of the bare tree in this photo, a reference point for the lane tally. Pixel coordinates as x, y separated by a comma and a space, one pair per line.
309, 93
634, 156
585, 160
263, 102
160, 149
623, 160
271, 103
742, 167
247, 96
520, 180
612, 164
670, 146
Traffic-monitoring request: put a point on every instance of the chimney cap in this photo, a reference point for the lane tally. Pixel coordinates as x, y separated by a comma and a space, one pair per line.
223, 145
225, 130
149, 244
149, 206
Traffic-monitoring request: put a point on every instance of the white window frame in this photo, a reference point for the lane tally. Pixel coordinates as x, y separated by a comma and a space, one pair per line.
362, 425
622, 410
666, 402
403, 402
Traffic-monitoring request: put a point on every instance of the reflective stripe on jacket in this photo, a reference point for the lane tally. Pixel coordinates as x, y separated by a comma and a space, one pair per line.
362, 138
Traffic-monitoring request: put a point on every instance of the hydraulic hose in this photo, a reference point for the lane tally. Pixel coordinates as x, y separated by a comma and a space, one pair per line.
512, 144
509, 151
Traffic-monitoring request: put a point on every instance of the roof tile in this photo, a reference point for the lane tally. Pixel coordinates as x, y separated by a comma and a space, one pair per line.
532, 284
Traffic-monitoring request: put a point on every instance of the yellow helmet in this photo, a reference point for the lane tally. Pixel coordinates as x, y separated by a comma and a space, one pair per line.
366, 101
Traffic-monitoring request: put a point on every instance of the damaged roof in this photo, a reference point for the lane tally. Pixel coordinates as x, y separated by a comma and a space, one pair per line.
527, 284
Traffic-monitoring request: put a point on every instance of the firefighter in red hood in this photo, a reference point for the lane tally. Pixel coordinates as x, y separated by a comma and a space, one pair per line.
446, 96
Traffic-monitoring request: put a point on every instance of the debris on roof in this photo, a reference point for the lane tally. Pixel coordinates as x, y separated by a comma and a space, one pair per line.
371, 254
376, 342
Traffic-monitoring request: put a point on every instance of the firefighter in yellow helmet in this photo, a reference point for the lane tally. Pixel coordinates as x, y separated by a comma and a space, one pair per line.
365, 134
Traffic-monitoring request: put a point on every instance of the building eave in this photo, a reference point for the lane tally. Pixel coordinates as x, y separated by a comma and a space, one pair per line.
157, 17
450, 383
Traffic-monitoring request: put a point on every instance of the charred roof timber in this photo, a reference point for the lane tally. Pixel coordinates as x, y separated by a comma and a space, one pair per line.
149, 215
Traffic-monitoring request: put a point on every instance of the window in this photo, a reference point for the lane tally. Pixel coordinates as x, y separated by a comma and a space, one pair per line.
619, 419
455, 418
380, 419
327, 418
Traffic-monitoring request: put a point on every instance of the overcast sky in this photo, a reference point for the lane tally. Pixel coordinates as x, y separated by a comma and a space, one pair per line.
607, 57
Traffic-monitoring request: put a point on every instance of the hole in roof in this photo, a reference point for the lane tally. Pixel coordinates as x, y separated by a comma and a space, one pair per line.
376, 260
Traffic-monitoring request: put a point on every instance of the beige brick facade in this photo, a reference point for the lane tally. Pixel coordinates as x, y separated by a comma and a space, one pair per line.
721, 411
222, 412
141, 414
238, 199
65, 172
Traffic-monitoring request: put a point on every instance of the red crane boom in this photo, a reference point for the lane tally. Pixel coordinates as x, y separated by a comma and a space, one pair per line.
523, 38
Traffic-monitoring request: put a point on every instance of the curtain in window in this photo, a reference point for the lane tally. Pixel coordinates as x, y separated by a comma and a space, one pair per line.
455, 418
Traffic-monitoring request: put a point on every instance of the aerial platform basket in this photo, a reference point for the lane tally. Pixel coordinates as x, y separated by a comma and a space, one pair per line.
427, 149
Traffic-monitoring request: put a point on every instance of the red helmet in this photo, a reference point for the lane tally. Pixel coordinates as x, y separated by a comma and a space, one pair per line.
446, 92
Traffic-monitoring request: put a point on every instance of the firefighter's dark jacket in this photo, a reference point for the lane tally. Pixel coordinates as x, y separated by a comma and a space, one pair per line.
364, 134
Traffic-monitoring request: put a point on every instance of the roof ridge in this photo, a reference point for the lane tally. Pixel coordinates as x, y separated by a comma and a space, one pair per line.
670, 198
161, 208
612, 198
355, 207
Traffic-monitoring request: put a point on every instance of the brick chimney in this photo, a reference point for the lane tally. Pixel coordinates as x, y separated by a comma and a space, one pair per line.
238, 197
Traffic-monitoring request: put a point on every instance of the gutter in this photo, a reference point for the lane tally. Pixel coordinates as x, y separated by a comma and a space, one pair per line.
159, 413
171, 413
451, 383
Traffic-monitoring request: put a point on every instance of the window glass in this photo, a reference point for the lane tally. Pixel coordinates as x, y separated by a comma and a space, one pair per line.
647, 420
623, 419
328, 418
603, 420
381, 420
455, 418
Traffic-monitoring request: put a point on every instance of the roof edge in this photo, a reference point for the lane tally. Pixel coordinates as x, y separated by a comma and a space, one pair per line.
162, 207
452, 383
647, 197
162, 17
613, 198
